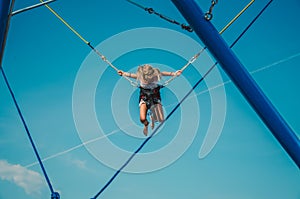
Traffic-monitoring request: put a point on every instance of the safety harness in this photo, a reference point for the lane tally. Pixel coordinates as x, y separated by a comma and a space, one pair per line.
150, 96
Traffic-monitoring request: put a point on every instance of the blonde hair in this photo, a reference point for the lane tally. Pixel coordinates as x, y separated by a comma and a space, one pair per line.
147, 74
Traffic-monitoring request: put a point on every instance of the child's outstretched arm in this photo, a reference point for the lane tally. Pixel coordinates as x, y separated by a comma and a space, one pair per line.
177, 73
126, 74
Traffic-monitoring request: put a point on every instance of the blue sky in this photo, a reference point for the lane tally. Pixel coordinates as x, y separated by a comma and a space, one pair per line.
84, 118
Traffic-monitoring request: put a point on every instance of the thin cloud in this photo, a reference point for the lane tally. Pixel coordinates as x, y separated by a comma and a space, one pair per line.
80, 163
73, 148
31, 181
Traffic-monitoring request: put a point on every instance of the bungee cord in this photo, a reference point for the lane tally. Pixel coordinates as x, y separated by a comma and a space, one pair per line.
87, 42
237, 16
260, 69
55, 195
152, 11
134, 83
177, 106
204, 48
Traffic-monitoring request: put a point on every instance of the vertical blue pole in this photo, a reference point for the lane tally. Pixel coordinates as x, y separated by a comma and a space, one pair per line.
5, 9
240, 77
4, 15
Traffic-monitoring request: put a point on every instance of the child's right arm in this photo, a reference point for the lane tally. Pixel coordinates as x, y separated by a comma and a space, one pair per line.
131, 75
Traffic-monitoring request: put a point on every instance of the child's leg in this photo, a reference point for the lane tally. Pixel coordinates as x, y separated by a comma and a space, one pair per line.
160, 112
152, 122
143, 117
157, 112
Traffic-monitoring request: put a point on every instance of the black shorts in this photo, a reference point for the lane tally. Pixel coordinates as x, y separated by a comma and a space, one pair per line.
150, 97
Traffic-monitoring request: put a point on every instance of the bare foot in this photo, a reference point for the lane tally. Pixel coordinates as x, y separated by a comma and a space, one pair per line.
145, 131
152, 123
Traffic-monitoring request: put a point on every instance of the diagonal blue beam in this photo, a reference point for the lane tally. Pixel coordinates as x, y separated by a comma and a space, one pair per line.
241, 77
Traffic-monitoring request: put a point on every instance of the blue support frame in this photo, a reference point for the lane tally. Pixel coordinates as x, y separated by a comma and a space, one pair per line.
4, 15
5, 9
240, 76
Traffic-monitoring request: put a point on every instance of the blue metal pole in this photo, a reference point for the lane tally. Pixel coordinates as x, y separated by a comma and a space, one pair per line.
4, 25
4, 15
240, 77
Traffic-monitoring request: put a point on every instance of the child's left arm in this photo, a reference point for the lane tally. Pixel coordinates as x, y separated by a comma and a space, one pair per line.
177, 73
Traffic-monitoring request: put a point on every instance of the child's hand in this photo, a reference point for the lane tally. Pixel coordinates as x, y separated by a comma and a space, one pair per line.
177, 73
120, 72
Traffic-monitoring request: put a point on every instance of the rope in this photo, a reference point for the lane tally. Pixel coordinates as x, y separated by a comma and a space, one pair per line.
252, 22
152, 11
27, 131
87, 43
185, 66
110, 64
176, 107
204, 48
237, 16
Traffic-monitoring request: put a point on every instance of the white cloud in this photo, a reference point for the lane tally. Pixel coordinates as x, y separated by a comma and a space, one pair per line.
80, 164
29, 180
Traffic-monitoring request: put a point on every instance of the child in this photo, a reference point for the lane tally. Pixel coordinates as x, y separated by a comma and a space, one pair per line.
148, 78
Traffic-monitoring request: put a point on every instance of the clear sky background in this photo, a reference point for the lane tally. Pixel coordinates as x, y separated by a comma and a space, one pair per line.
43, 61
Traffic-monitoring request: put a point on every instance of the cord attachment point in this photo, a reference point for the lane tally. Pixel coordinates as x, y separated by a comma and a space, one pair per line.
187, 27
208, 15
55, 195
150, 10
